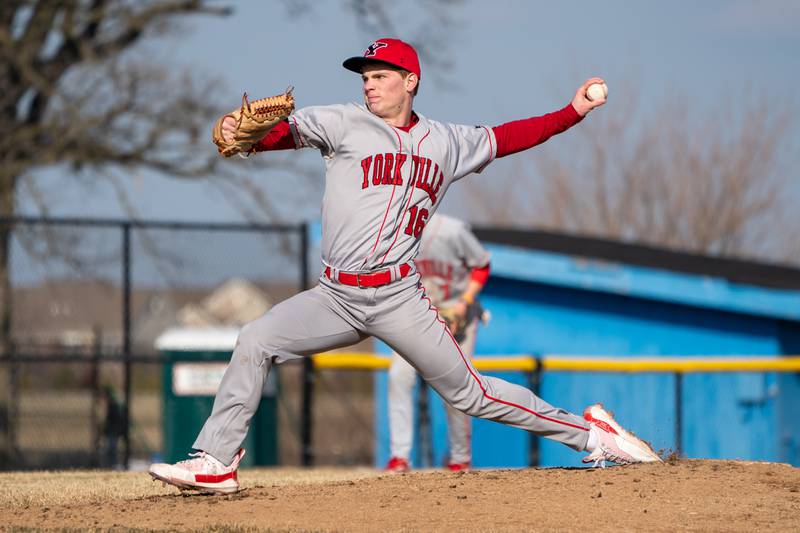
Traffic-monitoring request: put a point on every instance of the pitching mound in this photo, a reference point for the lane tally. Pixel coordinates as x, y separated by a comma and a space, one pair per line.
678, 495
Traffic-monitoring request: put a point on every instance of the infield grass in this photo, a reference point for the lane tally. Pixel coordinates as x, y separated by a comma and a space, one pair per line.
24, 489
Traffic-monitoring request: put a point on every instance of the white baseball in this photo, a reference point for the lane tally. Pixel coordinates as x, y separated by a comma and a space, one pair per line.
597, 91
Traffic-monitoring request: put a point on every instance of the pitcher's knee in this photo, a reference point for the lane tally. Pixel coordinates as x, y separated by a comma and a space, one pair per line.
257, 338
469, 401
248, 338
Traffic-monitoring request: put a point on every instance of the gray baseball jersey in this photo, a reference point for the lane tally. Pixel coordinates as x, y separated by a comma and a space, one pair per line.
382, 186
448, 253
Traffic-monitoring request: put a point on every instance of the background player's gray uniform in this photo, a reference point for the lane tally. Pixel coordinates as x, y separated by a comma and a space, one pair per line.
382, 185
447, 254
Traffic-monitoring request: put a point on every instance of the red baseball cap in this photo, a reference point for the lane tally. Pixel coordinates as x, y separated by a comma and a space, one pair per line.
391, 51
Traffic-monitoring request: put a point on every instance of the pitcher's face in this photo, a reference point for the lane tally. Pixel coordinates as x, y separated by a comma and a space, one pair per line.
387, 92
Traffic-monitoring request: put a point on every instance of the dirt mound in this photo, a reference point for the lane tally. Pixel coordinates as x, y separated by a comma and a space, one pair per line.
677, 495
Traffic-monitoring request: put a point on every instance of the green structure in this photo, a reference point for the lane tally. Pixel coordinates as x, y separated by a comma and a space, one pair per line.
194, 362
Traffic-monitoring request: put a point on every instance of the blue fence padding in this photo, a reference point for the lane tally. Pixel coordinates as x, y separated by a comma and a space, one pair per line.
726, 416
788, 419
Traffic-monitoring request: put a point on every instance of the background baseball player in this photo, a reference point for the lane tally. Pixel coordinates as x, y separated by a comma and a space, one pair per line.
387, 169
454, 268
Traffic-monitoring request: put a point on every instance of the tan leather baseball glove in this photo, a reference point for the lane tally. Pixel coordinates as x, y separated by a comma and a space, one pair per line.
455, 321
253, 121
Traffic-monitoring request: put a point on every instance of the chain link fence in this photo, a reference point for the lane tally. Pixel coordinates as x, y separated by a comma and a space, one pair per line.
84, 302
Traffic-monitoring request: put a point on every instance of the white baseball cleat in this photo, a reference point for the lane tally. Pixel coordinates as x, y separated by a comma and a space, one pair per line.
202, 473
613, 442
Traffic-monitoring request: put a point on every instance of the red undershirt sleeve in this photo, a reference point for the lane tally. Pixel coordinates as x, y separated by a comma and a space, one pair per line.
481, 275
279, 138
513, 137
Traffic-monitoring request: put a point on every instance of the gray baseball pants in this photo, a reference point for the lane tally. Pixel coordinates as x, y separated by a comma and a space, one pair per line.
332, 315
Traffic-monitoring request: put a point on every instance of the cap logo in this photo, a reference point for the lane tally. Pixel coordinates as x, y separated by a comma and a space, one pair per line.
373, 48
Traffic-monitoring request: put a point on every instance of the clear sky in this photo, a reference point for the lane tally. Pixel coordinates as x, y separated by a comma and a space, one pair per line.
510, 59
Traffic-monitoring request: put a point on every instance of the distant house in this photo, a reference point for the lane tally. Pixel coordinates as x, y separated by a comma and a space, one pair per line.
552, 294
234, 303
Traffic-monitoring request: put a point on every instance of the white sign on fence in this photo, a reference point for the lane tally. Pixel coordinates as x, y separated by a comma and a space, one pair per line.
197, 379
203, 379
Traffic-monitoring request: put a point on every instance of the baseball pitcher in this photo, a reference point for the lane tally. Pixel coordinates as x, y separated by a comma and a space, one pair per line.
387, 168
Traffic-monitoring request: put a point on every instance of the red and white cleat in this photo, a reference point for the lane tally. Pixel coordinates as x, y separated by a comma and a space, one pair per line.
459, 467
397, 465
614, 443
202, 473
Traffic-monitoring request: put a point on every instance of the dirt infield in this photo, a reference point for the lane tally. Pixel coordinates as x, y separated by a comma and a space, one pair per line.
678, 495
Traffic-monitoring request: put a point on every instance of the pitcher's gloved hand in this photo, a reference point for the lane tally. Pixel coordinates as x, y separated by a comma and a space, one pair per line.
455, 316
238, 131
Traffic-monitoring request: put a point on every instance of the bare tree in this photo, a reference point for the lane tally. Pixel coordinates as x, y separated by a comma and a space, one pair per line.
77, 91
72, 93
711, 182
